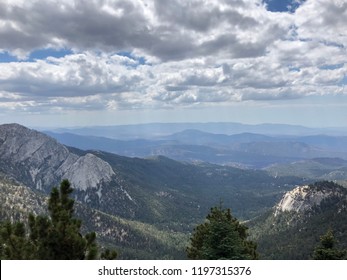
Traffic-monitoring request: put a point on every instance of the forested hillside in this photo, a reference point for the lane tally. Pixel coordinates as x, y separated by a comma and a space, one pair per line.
147, 208
292, 229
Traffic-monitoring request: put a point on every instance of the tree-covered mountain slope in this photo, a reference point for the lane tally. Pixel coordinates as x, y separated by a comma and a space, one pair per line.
292, 229
156, 190
147, 207
315, 168
132, 239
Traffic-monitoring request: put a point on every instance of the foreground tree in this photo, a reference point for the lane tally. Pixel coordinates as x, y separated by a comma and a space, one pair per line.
54, 237
327, 250
58, 236
221, 237
14, 244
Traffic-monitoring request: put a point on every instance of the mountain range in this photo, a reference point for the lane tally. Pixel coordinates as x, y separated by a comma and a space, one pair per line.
247, 150
153, 130
146, 207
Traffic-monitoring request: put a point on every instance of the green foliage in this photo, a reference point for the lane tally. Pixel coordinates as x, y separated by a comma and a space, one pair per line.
294, 235
168, 199
221, 237
13, 242
168, 191
327, 250
54, 237
58, 236
315, 169
108, 254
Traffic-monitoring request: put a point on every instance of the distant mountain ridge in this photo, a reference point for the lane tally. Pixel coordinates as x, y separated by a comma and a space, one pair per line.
249, 150
152, 130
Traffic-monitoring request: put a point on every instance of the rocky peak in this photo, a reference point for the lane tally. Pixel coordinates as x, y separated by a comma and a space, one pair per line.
89, 171
19, 143
305, 198
39, 161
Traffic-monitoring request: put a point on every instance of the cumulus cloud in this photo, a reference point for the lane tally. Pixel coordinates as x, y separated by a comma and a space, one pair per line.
161, 54
323, 21
168, 30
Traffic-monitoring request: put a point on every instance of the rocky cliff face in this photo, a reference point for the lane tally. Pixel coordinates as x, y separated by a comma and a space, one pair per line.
293, 229
305, 198
40, 162
43, 162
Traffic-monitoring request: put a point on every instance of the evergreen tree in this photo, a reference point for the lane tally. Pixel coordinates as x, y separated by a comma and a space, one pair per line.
327, 250
14, 244
221, 237
53, 237
108, 254
58, 236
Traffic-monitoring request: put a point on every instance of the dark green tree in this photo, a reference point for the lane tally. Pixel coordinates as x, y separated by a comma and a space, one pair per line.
108, 254
222, 236
14, 244
58, 236
54, 237
327, 250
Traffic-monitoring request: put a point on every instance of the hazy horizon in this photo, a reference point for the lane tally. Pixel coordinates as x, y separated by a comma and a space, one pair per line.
87, 63
43, 127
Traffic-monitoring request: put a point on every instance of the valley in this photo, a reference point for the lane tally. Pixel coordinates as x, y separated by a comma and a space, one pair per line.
145, 195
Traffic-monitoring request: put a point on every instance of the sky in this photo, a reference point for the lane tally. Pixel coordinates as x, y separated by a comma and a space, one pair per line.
102, 62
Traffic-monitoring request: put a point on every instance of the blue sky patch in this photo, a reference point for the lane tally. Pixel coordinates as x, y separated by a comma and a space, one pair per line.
44, 53
343, 81
294, 69
5, 57
283, 5
332, 66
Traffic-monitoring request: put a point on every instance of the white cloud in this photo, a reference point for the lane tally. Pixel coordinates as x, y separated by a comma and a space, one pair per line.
324, 21
165, 29
196, 52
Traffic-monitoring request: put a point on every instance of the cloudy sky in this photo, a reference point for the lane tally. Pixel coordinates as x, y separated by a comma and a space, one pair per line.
102, 62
